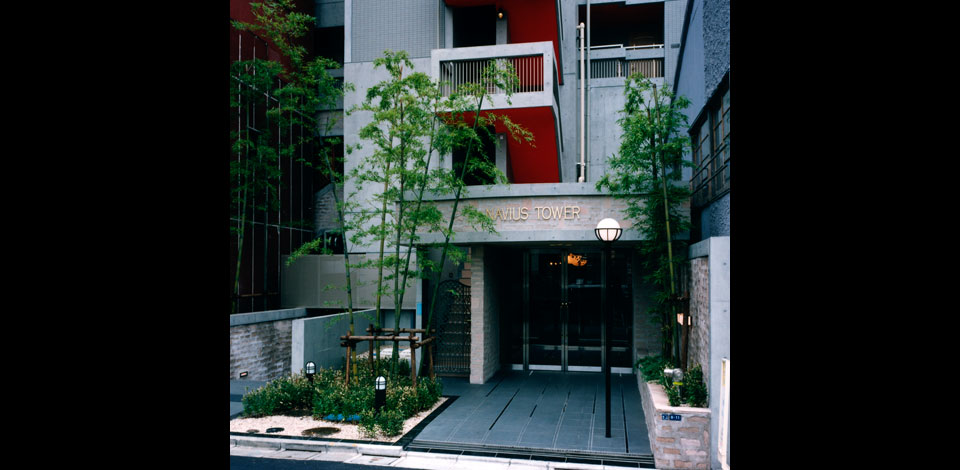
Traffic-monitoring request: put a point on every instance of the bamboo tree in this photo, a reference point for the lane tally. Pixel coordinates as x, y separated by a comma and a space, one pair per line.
652, 142
301, 87
469, 98
386, 101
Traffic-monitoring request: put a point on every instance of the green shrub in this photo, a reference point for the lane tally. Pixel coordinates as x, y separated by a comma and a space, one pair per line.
368, 423
428, 392
291, 394
652, 367
695, 389
390, 422
329, 395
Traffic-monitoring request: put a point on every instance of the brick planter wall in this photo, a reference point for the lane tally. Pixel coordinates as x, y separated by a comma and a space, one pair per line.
675, 444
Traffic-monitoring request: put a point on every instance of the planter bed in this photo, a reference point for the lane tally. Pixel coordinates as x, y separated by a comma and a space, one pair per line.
679, 435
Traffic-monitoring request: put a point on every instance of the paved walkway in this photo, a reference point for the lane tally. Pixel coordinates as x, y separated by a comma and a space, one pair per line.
538, 419
540, 410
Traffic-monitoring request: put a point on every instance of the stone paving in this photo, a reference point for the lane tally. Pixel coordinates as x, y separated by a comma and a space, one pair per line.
540, 410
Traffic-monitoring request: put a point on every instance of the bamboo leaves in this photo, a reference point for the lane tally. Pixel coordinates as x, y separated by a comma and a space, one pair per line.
650, 157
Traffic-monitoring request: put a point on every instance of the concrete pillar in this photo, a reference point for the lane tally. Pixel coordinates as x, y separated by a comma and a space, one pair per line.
502, 32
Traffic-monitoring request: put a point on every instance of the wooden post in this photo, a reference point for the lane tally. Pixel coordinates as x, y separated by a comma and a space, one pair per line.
370, 352
347, 372
413, 364
430, 360
686, 340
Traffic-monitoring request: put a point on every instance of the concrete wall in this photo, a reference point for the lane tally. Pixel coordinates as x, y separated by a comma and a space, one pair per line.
376, 25
715, 254
318, 339
260, 343
672, 30
364, 75
319, 281
715, 218
716, 41
537, 226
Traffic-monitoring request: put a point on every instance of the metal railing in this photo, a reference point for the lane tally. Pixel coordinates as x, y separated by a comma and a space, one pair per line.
619, 67
629, 48
711, 179
529, 72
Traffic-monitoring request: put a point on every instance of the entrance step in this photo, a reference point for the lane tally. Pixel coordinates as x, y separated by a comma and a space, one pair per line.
611, 459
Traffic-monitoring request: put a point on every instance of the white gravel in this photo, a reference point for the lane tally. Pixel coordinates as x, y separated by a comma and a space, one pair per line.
295, 425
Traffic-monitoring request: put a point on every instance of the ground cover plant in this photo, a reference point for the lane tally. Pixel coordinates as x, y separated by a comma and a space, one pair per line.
692, 393
330, 398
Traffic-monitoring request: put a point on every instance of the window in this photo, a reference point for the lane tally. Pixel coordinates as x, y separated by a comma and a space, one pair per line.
710, 145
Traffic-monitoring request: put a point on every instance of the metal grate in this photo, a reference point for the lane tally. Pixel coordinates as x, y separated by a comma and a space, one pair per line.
614, 68
529, 71
453, 330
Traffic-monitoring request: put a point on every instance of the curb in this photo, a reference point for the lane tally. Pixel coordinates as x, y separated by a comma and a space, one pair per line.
316, 446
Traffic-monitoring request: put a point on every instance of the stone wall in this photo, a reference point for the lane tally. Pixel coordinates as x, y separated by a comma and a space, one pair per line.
682, 443
699, 346
484, 317
260, 343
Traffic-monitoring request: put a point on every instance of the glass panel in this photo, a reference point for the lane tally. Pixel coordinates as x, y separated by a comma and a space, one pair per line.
510, 270
583, 294
545, 322
620, 297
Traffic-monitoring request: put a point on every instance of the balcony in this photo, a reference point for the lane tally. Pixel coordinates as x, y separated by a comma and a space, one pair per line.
533, 104
534, 64
619, 61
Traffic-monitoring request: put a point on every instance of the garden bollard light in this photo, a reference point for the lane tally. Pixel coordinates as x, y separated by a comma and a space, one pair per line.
311, 369
676, 378
380, 397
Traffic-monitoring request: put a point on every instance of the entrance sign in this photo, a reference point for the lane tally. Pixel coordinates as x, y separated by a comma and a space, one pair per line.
522, 213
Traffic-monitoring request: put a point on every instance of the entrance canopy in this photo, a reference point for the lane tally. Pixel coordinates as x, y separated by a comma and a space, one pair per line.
533, 213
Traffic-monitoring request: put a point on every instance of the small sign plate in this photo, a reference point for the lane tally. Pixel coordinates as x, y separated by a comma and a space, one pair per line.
669, 417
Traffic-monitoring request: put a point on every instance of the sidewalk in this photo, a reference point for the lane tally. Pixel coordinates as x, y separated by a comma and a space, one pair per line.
387, 455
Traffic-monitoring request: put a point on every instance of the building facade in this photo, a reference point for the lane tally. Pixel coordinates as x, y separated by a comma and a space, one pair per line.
534, 287
703, 75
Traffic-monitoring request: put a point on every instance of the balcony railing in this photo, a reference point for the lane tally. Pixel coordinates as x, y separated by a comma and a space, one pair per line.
711, 179
533, 63
529, 71
613, 68
618, 61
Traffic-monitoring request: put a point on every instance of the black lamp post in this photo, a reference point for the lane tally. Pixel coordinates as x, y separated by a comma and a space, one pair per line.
607, 231
310, 369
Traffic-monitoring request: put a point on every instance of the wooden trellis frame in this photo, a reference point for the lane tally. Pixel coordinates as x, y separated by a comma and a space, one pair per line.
387, 334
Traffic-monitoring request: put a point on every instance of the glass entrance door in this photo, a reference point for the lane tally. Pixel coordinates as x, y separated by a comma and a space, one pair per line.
583, 290
561, 320
544, 275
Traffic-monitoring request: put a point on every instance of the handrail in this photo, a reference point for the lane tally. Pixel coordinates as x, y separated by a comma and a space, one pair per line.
621, 46
645, 46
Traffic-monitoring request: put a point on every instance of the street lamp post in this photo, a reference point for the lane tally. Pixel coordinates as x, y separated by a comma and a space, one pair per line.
607, 231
